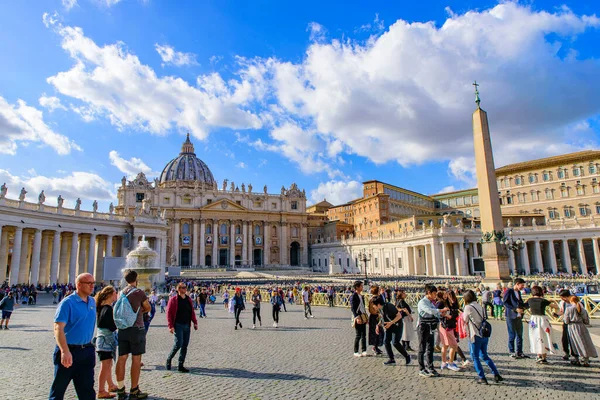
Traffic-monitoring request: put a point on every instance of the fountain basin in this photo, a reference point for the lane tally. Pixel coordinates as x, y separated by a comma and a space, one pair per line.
143, 260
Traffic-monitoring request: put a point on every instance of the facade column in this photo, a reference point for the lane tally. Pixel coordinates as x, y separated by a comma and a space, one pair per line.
73, 260
43, 274
464, 266
195, 239
267, 244
427, 257
525, 259
91, 254
416, 259
458, 267
552, 257
55, 258
109, 246
15, 262
250, 240
81, 268
3, 253
566, 256
472, 260
24, 266
245, 259
63, 265
539, 264
445, 259
596, 255
410, 260
176, 241
163, 259
304, 242
511, 261
99, 270
232, 242
285, 248
581, 254
202, 256
215, 248
35, 257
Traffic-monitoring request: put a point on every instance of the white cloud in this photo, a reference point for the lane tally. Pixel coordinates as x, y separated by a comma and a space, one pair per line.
171, 57
317, 31
87, 185
51, 103
68, 4
130, 167
20, 123
463, 169
241, 165
110, 3
447, 189
337, 192
112, 82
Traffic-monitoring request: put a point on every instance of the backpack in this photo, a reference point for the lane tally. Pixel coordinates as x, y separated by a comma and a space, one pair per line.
485, 329
123, 312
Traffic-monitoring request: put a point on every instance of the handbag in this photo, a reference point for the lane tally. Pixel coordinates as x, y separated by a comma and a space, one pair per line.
485, 329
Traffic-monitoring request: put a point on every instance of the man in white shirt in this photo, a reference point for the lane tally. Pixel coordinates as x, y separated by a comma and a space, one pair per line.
306, 299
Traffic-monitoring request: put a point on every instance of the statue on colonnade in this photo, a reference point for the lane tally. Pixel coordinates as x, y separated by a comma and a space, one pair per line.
41, 198
22, 194
95, 206
60, 201
3, 190
78, 204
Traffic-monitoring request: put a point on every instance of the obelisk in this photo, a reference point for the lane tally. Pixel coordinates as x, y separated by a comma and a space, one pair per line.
495, 255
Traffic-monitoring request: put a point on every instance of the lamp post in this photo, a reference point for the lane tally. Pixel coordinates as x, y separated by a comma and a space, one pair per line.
364, 257
514, 245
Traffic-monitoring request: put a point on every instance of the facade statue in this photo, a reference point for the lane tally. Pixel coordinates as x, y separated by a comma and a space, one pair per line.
232, 187
163, 214
95, 206
533, 222
243, 188
41, 198
22, 194
146, 206
446, 220
60, 201
3, 191
265, 189
173, 259
156, 182
460, 223
123, 181
225, 184
521, 223
249, 188
111, 208
78, 204
282, 190
509, 223
303, 193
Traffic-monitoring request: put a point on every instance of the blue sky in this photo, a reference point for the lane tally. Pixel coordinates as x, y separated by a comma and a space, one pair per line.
324, 94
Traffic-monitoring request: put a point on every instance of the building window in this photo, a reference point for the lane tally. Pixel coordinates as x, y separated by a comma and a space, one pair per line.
596, 189
564, 192
187, 200
580, 190
582, 211
185, 229
468, 200
508, 199
549, 195
597, 209
238, 230
531, 178
561, 174
520, 197
546, 176
257, 229
376, 263
518, 180
592, 169
238, 202
553, 214
387, 262
568, 213
294, 205
223, 229
208, 201
319, 262
273, 206
166, 200
294, 232
139, 197
576, 171
208, 229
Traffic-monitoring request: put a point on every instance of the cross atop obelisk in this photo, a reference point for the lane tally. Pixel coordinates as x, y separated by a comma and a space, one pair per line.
495, 255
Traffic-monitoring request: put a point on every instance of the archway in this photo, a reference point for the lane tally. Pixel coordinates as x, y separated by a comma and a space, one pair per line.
208, 261
238, 260
257, 258
223, 257
295, 254
185, 260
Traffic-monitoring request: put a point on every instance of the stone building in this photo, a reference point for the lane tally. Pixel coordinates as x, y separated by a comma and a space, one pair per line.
219, 225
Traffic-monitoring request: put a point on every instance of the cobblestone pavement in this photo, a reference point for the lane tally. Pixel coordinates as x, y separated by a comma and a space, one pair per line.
302, 359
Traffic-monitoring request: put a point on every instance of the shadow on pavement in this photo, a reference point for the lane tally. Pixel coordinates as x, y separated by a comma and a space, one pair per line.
13, 348
245, 374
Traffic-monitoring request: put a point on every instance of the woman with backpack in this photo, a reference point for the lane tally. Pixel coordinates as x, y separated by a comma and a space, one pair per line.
473, 320
238, 306
276, 302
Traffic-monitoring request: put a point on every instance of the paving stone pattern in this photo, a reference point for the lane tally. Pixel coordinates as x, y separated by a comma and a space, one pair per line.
302, 359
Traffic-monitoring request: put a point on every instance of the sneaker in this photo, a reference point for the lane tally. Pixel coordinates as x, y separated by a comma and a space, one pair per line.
241, 325
6, 328
137, 394
425, 373
253, 326
523, 355
543, 361
576, 363
498, 379
482, 381
168, 365
408, 360
410, 349
444, 366
437, 349
363, 354
433, 372
389, 362
274, 324
235, 328
539, 360
312, 316
466, 363
121, 394
518, 357
453, 367
305, 317
183, 369
512, 355
565, 357
356, 354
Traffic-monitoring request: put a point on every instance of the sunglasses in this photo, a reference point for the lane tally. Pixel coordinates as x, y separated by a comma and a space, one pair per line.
88, 283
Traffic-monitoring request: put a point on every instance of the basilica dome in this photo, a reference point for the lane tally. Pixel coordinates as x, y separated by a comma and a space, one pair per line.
187, 167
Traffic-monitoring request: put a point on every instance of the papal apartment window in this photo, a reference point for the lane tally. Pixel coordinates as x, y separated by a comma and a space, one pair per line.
139, 197
531, 178
592, 169
561, 174
567, 212
208, 201
552, 214
596, 189
583, 211
294, 205
549, 195
546, 177
580, 190
508, 200
518, 180
576, 172
598, 209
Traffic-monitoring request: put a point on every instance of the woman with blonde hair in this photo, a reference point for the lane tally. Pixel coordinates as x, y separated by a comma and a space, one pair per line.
540, 330
576, 318
106, 340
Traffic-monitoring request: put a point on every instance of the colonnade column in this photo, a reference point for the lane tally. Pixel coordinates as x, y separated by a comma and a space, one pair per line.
511, 261
267, 244
472, 262
581, 254
525, 259
195, 238
73, 260
202, 256
539, 264
427, 258
91, 254
3, 253
109, 246
63, 264
55, 257
464, 268
35, 257
99, 270
566, 256
552, 257
594, 244
444, 258
304, 241
176, 241
215, 244
232, 242
457, 259
24, 266
283, 248
409, 260
245, 259
43, 273
81, 268
416, 259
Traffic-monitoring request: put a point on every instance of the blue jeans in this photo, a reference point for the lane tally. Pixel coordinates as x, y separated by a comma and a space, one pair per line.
81, 373
182, 339
479, 352
515, 331
202, 310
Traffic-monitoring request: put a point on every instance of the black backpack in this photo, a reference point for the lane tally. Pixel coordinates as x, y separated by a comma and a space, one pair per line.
485, 329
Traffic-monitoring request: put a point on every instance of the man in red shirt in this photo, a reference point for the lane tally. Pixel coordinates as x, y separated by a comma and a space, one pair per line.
180, 314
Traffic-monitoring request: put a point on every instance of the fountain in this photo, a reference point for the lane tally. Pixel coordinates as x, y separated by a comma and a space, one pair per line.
143, 261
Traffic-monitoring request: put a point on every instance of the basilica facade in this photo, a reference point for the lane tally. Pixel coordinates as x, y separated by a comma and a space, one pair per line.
226, 224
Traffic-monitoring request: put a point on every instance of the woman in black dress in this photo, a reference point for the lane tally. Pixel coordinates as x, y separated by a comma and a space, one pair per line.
106, 342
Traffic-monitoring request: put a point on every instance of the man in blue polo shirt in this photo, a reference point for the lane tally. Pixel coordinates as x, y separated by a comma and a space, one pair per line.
74, 356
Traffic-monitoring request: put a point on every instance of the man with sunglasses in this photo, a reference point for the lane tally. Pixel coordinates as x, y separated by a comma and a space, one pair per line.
180, 314
74, 355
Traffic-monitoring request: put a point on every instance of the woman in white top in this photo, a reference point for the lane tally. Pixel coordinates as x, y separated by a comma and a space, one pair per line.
472, 319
